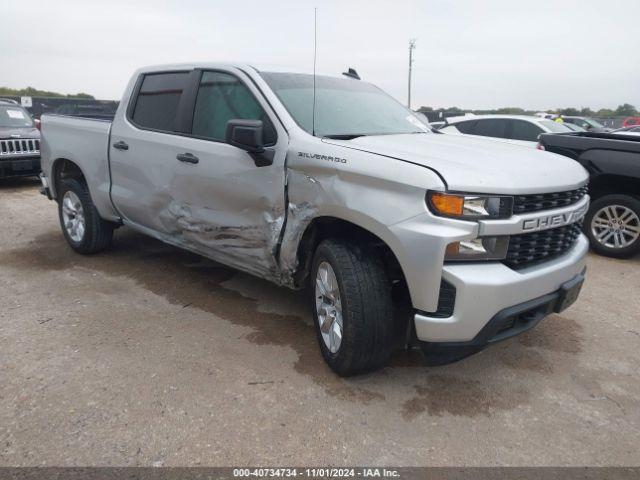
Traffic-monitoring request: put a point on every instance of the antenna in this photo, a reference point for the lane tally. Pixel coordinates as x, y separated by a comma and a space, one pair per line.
315, 50
412, 45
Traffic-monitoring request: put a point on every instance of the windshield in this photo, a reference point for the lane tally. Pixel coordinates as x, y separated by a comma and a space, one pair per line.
345, 107
593, 123
14, 116
555, 127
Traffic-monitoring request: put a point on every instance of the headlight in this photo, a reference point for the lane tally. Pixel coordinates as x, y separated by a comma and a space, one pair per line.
482, 248
469, 207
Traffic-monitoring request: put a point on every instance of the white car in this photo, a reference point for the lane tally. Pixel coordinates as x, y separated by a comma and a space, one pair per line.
516, 129
633, 130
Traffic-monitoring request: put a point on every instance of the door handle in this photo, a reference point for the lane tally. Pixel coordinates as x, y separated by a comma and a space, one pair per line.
187, 158
121, 145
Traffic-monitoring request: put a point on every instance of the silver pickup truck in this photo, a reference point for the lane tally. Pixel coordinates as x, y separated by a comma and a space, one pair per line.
402, 236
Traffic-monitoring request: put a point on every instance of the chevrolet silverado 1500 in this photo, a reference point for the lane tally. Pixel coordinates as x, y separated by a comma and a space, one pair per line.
328, 183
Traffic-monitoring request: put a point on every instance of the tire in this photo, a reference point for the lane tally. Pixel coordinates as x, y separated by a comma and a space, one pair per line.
96, 233
365, 307
604, 217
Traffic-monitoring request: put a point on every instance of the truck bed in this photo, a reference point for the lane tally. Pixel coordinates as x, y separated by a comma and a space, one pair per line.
582, 141
85, 142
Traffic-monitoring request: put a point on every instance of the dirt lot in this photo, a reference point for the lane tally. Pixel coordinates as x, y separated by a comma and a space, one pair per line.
147, 355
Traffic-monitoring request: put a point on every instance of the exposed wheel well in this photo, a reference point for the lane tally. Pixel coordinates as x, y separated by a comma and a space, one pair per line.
330, 227
610, 184
63, 168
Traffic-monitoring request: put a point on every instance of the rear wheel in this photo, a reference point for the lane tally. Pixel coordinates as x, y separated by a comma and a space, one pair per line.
85, 231
613, 225
352, 308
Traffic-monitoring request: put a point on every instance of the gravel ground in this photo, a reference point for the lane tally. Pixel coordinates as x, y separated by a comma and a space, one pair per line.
148, 355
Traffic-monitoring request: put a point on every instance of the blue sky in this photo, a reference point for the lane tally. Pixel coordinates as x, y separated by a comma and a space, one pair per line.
475, 54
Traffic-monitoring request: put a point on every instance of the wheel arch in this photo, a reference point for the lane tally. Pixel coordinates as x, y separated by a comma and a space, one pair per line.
607, 184
64, 168
330, 226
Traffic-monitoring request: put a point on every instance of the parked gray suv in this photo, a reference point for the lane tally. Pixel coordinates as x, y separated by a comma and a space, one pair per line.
19, 141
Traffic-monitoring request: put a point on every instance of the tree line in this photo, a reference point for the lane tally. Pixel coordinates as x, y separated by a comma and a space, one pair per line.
34, 92
624, 110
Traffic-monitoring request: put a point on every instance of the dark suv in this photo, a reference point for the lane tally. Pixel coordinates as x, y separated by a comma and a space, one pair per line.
19, 141
589, 124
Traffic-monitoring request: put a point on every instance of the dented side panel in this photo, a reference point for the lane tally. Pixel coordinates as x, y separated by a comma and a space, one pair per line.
223, 207
376, 193
228, 207
253, 218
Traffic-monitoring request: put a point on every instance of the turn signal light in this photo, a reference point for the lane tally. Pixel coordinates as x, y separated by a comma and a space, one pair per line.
447, 204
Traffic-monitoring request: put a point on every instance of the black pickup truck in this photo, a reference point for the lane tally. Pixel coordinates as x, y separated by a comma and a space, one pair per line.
613, 161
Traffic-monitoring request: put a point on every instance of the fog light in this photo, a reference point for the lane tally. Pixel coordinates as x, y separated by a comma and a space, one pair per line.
482, 248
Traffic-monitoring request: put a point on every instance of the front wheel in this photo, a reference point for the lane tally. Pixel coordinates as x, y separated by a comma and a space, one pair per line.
613, 225
352, 308
85, 231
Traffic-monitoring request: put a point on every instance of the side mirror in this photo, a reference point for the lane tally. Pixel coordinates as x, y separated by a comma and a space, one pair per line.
247, 135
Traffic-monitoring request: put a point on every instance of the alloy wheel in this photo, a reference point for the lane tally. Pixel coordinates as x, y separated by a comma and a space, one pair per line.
329, 307
615, 226
73, 216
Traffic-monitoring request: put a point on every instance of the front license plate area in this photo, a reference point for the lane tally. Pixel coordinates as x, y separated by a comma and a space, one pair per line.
569, 293
21, 165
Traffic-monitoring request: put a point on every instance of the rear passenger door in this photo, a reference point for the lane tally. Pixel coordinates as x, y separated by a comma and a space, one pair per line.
143, 148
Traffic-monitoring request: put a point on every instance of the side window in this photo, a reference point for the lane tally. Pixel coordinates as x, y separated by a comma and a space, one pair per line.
157, 102
522, 130
466, 127
223, 97
491, 127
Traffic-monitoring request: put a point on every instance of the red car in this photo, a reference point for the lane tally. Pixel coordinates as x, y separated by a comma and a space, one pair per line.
631, 121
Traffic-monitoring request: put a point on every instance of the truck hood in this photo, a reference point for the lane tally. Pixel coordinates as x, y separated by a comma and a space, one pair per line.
476, 164
20, 132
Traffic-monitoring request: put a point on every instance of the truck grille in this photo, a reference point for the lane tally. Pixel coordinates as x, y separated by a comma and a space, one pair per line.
547, 201
22, 146
530, 248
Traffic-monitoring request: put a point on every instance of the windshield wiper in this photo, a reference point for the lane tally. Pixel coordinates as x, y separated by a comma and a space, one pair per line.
345, 136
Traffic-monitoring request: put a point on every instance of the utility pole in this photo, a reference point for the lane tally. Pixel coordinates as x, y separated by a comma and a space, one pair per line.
412, 45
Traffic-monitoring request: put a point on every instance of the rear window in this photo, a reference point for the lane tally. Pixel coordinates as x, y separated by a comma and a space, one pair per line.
523, 130
157, 103
495, 128
555, 127
466, 127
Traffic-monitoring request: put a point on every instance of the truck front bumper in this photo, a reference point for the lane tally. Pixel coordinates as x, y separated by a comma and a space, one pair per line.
19, 167
486, 291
